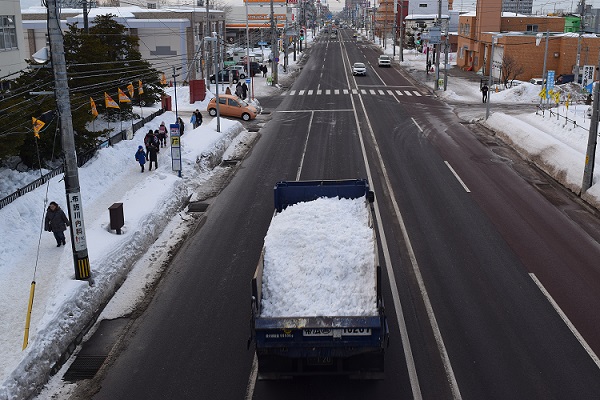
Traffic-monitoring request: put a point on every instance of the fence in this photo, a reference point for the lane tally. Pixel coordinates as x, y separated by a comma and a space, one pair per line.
81, 160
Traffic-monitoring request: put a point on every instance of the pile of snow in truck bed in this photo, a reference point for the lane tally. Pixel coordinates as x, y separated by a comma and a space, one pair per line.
319, 261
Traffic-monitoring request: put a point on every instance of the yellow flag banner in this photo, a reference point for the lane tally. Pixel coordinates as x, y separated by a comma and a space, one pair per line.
163, 79
93, 106
130, 89
37, 126
140, 88
123, 97
109, 102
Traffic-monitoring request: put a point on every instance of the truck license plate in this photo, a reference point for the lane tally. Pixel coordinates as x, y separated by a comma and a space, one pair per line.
317, 332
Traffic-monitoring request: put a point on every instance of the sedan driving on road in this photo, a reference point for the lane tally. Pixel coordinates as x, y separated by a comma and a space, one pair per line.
359, 69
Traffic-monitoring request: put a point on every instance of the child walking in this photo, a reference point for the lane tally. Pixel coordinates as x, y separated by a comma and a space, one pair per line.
140, 156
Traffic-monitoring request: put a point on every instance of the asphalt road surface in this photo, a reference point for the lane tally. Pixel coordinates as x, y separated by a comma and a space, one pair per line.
491, 269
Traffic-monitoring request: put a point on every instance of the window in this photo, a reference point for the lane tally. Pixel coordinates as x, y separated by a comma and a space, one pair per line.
8, 32
532, 28
422, 5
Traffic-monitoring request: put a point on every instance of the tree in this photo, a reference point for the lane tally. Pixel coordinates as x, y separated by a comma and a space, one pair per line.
104, 60
510, 70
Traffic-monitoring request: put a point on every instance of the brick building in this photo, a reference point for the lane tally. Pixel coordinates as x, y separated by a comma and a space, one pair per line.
517, 37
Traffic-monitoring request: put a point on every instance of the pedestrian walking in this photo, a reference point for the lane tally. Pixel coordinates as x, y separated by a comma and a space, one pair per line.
244, 91
484, 92
193, 120
198, 118
238, 90
56, 222
140, 156
162, 134
153, 151
181, 126
263, 68
149, 139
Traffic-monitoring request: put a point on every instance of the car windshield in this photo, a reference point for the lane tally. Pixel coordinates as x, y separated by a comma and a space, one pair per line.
384, 57
359, 65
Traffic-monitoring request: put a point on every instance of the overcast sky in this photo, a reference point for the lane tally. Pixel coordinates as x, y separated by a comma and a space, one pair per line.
460, 5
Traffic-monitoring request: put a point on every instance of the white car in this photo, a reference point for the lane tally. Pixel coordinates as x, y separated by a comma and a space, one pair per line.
359, 69
239, 68
384, 61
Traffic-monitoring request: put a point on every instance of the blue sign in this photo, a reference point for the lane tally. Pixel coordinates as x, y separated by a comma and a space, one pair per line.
248, 80
550, 80
262, 43
276, 59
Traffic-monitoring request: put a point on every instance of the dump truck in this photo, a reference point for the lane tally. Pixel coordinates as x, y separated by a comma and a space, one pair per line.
317, 307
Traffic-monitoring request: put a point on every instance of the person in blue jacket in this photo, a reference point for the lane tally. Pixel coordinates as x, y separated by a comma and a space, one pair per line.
140, 156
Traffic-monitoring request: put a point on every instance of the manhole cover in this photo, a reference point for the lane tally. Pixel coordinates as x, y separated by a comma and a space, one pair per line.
196, 206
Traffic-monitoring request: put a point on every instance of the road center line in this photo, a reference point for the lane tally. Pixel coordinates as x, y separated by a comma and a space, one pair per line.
566, 320
457, 177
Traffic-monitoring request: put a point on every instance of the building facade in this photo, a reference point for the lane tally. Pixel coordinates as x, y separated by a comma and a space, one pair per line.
11, 40
168, 37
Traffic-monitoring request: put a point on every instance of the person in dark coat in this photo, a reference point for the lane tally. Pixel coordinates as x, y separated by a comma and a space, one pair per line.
238, 90
149, 139
162, 134
244, 91
181, 126
56, 222
153, 151
198, 118
140, 157
484, 92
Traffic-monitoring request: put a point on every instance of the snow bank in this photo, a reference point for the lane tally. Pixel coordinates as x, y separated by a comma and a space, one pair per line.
319, 261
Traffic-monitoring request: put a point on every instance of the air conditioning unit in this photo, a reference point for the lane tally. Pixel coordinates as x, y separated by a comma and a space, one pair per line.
152, 5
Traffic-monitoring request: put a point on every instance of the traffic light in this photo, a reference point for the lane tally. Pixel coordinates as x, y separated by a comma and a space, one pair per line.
301, 34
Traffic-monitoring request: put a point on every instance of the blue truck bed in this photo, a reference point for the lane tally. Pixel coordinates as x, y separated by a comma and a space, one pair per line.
316, 345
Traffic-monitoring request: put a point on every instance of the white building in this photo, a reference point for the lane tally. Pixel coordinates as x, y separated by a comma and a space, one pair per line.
12, 59
168, 37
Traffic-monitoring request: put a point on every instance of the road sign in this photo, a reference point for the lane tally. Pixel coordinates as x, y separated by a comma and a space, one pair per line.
435, 35
175, 148
276, 59
550, 80
248, 81
262, 43
588, 77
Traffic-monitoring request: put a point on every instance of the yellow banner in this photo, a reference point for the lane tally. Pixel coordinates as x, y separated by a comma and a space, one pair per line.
123, 97
130, 89
163, 80
93, 106
37, 126
140, 88
109, 102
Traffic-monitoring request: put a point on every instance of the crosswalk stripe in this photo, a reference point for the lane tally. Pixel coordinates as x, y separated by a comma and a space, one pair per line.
372, 91
399, 93
354, 91
417, 93
301, 92
408, 93
319, 92
381, 92
336, 91
363, 91
390, 92
327, 91
345, 91
310, 92
292, 92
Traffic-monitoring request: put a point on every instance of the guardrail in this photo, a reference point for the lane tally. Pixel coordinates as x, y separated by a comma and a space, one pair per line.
81, 160
542, 110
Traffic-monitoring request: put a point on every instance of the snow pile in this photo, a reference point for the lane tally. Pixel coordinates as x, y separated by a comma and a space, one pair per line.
319, 261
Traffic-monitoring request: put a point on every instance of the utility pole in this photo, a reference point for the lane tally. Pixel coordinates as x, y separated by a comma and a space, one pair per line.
274, 48
86, 25
590, 155
544, 78
401, 50
437, 48
487, 106
63, 104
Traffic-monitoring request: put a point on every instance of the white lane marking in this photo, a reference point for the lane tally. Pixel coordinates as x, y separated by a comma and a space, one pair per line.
416, 93
327, 91
457, 177
390, 92
416, 124
346, 91
310, 92
399, 92
301, 92
336, 91
381, 92
252, 379
566, 320
408, 93
319, 91
371, 91
312, 114
292, 92
417, 272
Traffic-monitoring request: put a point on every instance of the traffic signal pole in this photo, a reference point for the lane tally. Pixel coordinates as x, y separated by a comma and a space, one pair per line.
63, 104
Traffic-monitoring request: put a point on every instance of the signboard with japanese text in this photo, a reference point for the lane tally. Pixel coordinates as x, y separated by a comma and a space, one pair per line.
588, 77
550, 80
76, 216
175, 147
